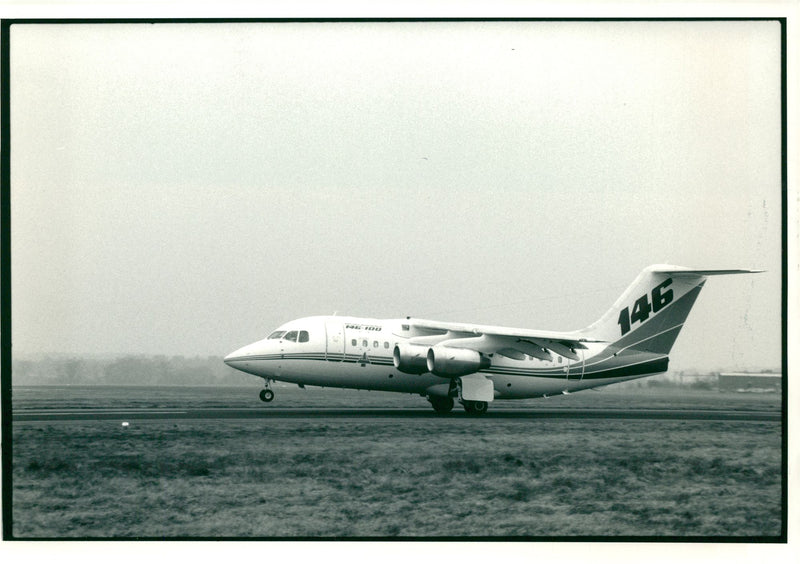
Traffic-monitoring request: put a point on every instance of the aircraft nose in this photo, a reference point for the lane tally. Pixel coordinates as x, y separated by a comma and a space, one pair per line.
234, 356
246, 359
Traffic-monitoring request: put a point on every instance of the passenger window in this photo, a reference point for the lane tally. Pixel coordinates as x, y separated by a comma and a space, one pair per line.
375, 344
303, 337
276, 334
353, 342
290, 336
365, 343
386, 344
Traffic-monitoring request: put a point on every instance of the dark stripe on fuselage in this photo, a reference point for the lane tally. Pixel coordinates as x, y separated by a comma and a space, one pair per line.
636, 368
640, 368
351, 358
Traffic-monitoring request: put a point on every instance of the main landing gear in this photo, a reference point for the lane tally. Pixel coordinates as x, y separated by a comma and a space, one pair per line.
445, 405
475, 407
472, 407
266, 395
441, 405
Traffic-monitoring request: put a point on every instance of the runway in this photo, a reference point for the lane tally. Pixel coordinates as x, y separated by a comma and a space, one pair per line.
272, 413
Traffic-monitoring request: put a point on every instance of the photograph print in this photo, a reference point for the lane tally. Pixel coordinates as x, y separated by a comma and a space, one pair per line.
394, 279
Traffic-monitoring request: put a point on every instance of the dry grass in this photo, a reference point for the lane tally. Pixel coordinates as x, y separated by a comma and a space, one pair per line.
406, 478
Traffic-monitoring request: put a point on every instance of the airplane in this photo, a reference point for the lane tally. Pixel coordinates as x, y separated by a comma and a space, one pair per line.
477, 364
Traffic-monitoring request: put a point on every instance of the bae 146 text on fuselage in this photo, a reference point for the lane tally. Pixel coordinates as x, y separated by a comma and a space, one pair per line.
477, 364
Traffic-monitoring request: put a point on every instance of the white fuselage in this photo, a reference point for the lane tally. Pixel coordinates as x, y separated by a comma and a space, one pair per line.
350, 352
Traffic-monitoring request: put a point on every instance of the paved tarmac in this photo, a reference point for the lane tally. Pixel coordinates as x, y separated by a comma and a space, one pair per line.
133, 414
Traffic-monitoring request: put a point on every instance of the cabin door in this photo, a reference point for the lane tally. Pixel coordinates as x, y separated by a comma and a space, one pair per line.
334, 349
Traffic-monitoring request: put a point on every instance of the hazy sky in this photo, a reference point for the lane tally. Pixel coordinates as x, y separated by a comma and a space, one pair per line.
185, 188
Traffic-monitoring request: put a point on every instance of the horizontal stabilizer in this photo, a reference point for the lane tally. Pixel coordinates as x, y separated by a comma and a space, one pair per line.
678, 271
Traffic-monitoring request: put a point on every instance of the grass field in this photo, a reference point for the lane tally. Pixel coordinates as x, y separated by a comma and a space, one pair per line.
396, 478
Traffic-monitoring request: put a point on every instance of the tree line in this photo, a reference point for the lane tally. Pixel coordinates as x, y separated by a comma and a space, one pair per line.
129, 370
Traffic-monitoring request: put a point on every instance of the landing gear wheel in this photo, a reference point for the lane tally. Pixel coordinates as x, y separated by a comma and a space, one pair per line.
441, 405
476, 407
266, 395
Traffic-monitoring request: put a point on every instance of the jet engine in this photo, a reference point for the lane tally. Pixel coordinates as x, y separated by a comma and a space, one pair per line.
411, 359
450, 362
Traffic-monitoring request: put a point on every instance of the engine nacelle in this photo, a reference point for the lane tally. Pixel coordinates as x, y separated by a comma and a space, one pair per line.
411, 359
450, 362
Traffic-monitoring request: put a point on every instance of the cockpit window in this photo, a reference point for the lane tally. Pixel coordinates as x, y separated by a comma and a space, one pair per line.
290, 336
276, 334
303, 338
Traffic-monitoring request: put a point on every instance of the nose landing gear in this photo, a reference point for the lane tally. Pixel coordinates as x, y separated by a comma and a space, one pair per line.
266, 395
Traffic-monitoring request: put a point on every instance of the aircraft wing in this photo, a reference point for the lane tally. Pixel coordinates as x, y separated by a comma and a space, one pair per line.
506, 341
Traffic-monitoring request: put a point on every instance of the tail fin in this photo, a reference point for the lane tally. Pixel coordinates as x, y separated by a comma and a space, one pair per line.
651, 312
